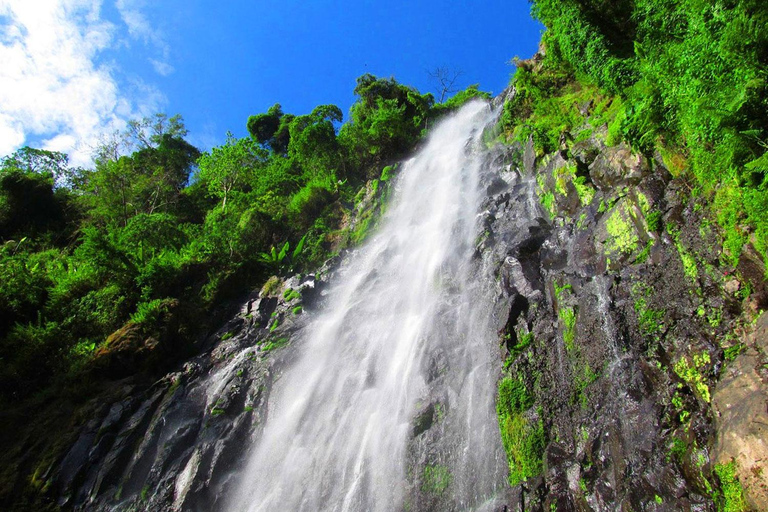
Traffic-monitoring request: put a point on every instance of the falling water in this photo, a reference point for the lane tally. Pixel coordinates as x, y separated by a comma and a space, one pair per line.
341, 418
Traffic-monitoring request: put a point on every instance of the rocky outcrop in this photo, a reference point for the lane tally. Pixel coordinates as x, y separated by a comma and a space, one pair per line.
741, 405
176, 445
619, 314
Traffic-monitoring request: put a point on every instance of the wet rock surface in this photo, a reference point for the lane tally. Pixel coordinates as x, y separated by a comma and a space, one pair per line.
630, 308
741, 402
177, 444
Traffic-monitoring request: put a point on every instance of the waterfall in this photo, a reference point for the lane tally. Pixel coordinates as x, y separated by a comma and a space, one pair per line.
406, 330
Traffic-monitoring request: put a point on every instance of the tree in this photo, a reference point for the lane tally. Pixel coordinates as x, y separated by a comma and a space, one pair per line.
271, 130
226, 167
29, 202
313, 138
444, 79
386, 120
148, 181
145, 133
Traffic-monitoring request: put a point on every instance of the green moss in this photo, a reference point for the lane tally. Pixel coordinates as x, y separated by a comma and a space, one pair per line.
649, 320
654, 221
513, 397
732, 352
643, 203
297, 310
524, 444
272, 286
581, 223
622, 234
583, 378
436, 479
584, 190
677, 450
362, 230
645, 253
568, 317
274, 344
733, 493
689, 262
289, 294
548, 202
690, 372
387, 172
523, 341
562, 176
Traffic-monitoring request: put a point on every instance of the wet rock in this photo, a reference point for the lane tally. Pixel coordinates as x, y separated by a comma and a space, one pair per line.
731, 286
741, 402
617, 167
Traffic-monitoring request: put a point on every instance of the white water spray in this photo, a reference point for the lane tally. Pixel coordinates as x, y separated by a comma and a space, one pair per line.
342, 415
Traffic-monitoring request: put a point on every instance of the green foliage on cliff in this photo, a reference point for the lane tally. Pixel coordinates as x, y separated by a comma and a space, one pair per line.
523, 439
686, 78
138, 254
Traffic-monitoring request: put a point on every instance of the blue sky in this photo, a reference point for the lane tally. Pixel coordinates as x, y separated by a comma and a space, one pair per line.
78, 69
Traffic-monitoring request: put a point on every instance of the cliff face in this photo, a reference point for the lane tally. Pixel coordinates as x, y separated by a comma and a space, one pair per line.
642, 351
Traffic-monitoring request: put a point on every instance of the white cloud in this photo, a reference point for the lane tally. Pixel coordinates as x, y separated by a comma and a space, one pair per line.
132, 14
51, 87
162, 68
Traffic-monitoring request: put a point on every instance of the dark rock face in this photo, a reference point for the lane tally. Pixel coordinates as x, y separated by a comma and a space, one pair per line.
628, 305
177, 444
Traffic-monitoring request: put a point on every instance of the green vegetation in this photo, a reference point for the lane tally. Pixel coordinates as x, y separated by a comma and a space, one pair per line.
435, 479
523, 442
689, 263
690, 372
584, 376
568, 317
731, 353
290, 294
156, 236
732, 499
685, 78
274, 344
623, 235
649, 320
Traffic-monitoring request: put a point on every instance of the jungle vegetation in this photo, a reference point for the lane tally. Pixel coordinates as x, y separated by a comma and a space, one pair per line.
118, 269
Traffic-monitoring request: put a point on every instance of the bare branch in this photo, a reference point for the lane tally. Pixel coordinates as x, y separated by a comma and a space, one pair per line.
444, 79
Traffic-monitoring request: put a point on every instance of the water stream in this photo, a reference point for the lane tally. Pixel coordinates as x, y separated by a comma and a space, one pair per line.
407, 327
